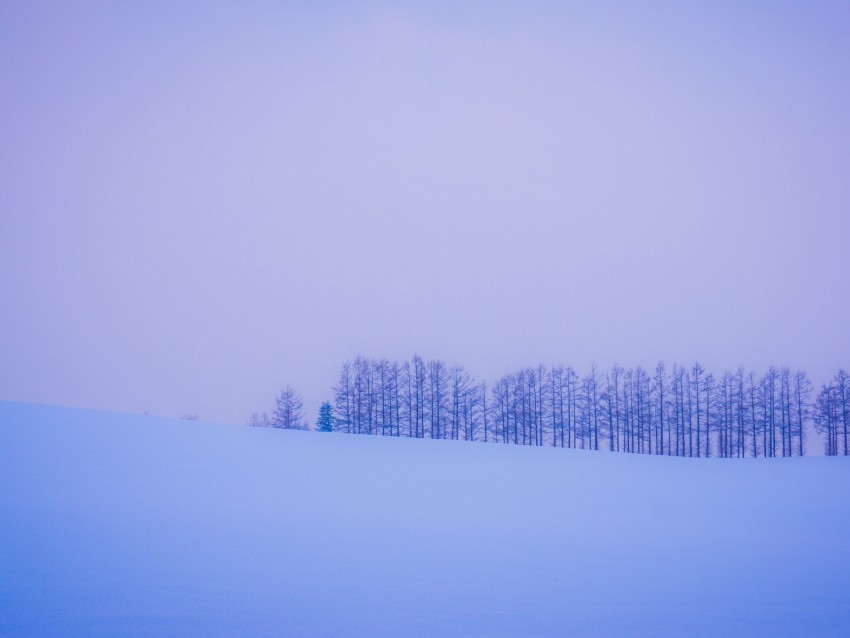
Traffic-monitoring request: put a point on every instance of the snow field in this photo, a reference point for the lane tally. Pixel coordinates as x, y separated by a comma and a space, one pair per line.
115, 524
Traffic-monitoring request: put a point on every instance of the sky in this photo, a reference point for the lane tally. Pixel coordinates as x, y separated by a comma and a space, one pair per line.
203, 202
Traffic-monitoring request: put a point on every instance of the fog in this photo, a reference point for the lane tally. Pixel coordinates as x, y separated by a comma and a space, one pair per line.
201, 204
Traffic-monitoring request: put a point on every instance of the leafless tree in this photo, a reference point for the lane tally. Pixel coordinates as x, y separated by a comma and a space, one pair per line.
288, 410
259, 420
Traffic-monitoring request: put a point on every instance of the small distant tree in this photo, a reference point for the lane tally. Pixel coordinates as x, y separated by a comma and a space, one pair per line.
287, 413
325, 422
257, 420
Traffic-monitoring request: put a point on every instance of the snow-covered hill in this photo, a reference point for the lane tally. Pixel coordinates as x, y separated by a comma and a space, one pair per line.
120, 525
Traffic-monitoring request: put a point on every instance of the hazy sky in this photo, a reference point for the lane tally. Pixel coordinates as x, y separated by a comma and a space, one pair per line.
202, 202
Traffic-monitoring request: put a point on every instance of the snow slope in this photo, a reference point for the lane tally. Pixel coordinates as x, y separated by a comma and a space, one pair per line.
137, 526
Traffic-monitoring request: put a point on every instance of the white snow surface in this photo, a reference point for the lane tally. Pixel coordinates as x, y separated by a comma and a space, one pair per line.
123, 525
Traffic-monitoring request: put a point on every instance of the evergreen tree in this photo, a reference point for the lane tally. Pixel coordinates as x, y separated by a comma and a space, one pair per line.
325, 422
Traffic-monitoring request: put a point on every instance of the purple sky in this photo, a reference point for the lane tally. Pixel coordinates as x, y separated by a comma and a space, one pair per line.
202, 204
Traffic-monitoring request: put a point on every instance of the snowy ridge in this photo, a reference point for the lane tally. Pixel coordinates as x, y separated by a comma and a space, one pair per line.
128, 525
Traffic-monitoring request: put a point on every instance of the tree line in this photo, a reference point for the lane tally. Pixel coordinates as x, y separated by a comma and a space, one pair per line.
680, 411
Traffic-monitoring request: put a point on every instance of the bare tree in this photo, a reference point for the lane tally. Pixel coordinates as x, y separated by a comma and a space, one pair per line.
485, 412
659, 393
827, 417
406, 399
438, 381
696, 374
459, 388
395, 397
802, 408
420, 396
287, 413
383, 399
841, 381
344, 399
556, 404
708, 388
473, 405
751, 393
643, 410
258, 420
503, 401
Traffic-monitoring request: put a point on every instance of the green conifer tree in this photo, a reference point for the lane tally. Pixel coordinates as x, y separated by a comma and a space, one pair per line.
325, 422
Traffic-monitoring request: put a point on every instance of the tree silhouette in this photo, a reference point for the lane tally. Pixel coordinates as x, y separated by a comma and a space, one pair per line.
287, 412
325, 422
